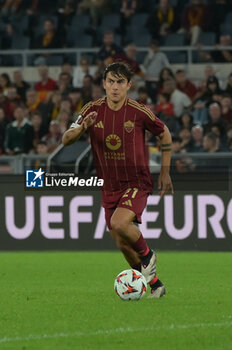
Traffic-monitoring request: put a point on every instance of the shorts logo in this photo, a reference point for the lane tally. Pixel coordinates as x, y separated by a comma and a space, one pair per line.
129, 126
113, 142
127, 203
35, 178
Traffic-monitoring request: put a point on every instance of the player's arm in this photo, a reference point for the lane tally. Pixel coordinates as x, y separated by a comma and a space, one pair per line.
164, 180
78, 129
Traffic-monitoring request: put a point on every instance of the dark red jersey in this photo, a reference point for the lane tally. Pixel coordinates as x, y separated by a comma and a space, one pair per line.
118, 144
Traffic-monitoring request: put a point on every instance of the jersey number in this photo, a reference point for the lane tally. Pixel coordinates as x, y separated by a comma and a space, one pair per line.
126, 194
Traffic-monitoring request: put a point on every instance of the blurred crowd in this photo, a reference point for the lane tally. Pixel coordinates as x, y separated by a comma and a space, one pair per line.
34, 116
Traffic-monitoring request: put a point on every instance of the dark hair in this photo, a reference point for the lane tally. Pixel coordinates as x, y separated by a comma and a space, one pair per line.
142, 90
180, 71
117, 69
176, 139
165, 95
7, 78
212, 136
170, 72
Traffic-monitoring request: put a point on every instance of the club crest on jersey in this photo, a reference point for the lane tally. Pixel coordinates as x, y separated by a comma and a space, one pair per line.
113, 142
129, 126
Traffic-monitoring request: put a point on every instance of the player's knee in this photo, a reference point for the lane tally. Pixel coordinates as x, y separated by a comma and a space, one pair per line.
120, 226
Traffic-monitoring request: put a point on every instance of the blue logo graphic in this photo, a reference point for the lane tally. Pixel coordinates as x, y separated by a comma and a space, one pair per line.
35, 178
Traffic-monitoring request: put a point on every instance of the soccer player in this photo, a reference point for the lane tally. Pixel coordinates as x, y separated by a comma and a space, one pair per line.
117, 125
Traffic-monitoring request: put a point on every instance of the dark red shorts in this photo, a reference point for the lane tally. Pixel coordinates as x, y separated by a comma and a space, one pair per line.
132, 198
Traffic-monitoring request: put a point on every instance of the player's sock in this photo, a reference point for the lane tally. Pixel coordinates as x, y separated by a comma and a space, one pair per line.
137, 267
155, 283
141, 247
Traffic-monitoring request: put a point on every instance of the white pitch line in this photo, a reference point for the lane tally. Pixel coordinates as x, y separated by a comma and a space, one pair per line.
112, 331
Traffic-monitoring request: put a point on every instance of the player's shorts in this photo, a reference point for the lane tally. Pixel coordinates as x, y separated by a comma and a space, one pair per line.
132, 199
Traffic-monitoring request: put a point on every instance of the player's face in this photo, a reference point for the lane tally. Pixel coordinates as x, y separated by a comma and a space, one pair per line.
116, 87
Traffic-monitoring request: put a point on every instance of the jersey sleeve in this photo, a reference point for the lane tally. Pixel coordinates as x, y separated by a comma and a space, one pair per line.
151, 122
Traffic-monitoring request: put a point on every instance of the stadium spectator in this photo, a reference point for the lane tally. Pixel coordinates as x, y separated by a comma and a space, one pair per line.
186, 120
32, 100
208, 72
64, 84
196, 144
4, 83
3, 124
211, 143
50, 109
179, 99
108, 50
226, 103
10, 7
21, 85
64, 119
229, 145
195, 18
66, 104
215, 118
46, 85
38, 128
165, 74
143, 96
185, 136
54, 136
133, 92
162, 20
185, 85
6, 41
211, 94
176, 144
19, 134
35, 7
65, 13
50, 39
87, 88
153, 64
164, 106
96, 9
12, 100
75, 97
229, 85
67, 68
165, 111
219, 10
130, 58
81, 70
41, 148
128, 8
218, 55
97, 92
229, 137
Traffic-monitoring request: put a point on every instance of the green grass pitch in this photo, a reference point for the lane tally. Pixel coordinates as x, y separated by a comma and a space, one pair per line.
66, 301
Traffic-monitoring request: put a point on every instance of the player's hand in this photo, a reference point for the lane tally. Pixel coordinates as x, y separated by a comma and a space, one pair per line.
89, 120
165, 184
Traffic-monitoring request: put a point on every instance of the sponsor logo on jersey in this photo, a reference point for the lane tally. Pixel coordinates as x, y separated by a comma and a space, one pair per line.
129, 125
113, 142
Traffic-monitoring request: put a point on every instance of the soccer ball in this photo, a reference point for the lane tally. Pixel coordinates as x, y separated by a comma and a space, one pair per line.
130, 285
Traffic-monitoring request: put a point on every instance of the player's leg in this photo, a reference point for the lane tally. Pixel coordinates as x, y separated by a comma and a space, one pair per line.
129, 253
125, 231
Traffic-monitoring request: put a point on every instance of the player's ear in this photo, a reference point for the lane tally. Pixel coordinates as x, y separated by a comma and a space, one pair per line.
129, 85
104, 84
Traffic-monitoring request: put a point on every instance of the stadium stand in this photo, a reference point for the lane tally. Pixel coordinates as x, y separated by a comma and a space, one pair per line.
71, 36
